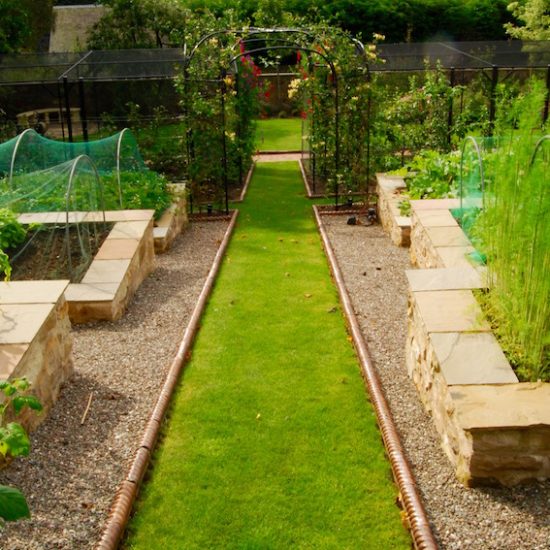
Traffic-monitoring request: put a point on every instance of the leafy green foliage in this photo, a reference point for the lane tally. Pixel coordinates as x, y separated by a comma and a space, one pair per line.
14, 26
534, 18
13, 505
433, 175
14, 442
12, 232
513, 231
140, 190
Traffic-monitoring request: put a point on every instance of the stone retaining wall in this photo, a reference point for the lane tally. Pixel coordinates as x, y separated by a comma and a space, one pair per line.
35, 340
397, 226
493, 428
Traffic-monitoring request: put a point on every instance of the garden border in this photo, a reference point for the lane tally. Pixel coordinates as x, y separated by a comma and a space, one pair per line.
473, 406
416, 515
128, 489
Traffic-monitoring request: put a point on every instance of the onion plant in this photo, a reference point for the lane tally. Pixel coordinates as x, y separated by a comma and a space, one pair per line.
514, 232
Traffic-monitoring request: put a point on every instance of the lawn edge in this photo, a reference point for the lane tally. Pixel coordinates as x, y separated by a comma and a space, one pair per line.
128, 489
418, 523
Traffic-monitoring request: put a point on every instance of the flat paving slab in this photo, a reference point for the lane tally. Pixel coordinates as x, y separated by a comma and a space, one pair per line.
436, 218
117, 249
449, 278
106, 271
31, 292
128, 230
19, 323
502, 406
447, 236
472, 358
435, 204
450, 311
91, 292
455, 256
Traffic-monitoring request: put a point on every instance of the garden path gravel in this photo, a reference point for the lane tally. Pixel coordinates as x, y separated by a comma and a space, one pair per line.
461, 518
73, 471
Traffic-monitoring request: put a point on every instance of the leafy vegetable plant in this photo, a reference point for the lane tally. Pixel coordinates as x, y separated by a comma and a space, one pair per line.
14, 442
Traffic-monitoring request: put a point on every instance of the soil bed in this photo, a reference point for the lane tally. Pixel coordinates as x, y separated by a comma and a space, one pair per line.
43, 255
484, 518
73, 471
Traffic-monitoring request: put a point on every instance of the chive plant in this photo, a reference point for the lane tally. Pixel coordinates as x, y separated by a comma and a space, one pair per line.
513, 231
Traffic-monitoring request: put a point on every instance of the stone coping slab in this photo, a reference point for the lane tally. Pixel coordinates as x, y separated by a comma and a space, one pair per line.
435, 204
454, 278
19, 323
471, 358
450, 311
124, 260
91, 292
520, 405
31, 292
173, 220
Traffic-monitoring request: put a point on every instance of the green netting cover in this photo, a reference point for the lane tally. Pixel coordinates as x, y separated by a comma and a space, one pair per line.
30, 151
72, 186
127, 182
63, 210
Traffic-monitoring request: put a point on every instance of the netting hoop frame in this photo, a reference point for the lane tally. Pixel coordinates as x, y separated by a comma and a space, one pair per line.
14, 152
74, 165
538, 146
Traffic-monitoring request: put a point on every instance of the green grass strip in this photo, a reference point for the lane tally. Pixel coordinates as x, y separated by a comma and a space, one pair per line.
279, 134
271, 441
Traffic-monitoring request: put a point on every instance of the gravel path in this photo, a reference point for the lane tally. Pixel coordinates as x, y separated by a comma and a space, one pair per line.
487, 518
73, 471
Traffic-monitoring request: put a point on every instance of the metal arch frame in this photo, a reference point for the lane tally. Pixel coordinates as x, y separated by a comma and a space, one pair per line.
471, 139
14, 153
74, 164
118, 146
282, 44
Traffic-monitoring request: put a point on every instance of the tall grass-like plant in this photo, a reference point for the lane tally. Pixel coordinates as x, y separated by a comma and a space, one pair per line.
514, 232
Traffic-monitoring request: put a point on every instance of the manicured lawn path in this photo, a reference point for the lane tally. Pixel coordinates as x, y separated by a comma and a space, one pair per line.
271, 441
279, 134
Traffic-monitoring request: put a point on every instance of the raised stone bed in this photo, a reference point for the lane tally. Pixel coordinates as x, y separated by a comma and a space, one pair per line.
35, 340
397, 226
436, 238
173, 220
492, 428
125, 258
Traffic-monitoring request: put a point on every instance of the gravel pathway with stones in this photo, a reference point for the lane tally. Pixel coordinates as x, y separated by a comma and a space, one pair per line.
72, 473
481, 518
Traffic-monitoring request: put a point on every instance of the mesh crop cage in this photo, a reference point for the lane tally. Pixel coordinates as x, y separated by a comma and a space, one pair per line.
63, 209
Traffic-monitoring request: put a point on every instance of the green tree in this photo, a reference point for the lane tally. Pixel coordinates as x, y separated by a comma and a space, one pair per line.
14, 26
534, 16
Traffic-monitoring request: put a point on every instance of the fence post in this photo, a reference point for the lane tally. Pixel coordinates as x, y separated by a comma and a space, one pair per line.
492, 99
83, 114
68, 108
224, 141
